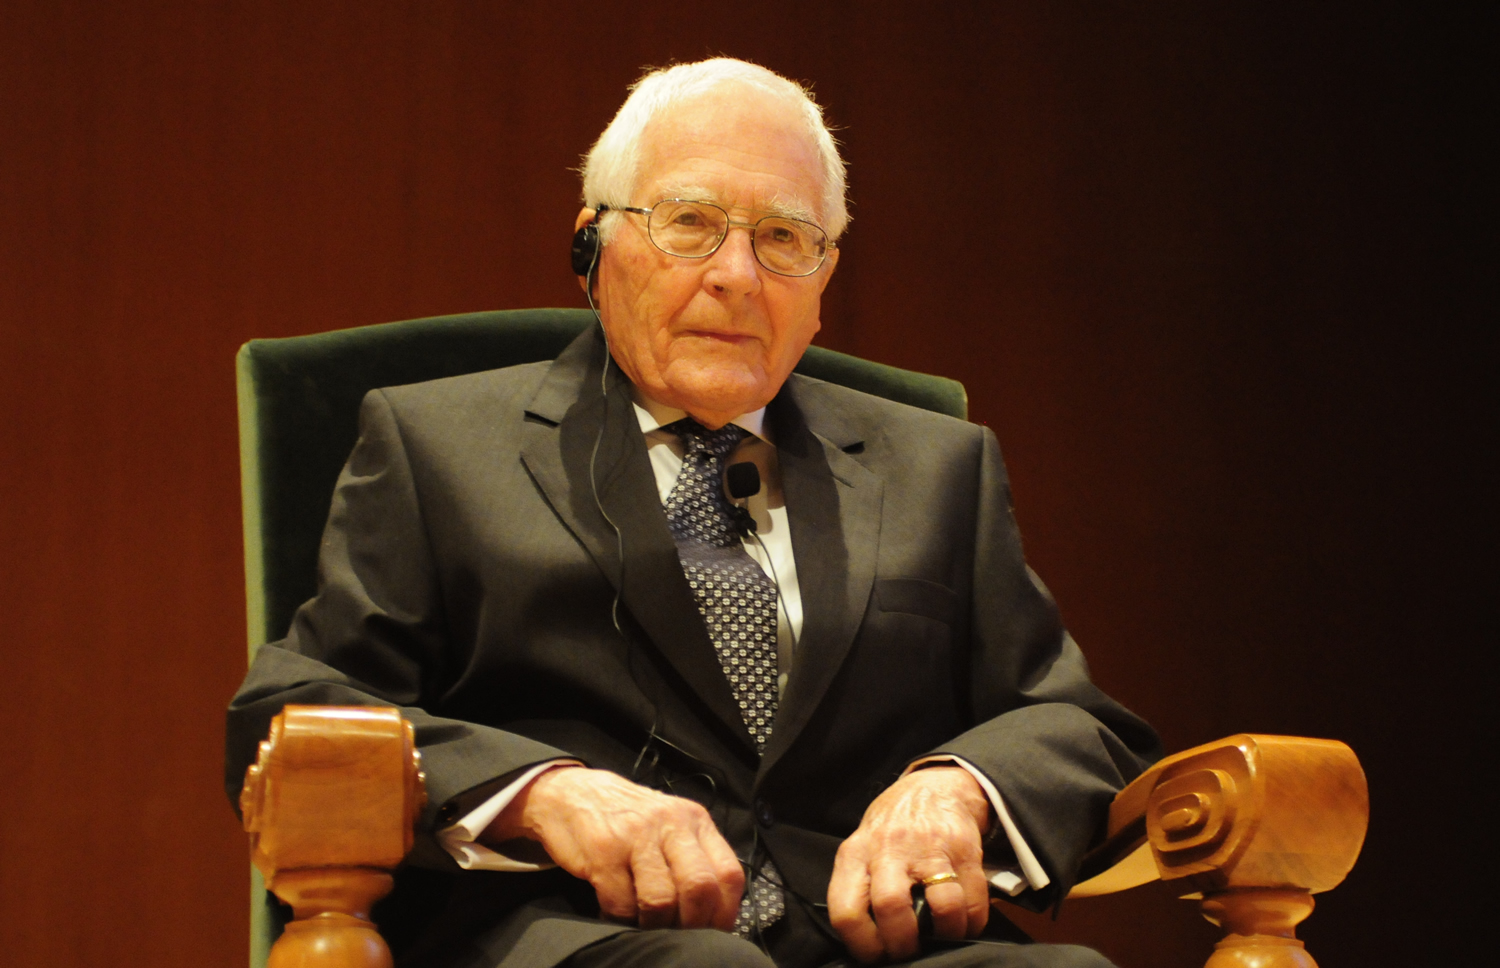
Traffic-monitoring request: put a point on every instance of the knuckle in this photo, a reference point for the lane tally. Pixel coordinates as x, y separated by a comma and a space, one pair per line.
943, 901
730, 874
698, 885
675, 811
843, 919
852, 850
890, 904
656, 901
616, 907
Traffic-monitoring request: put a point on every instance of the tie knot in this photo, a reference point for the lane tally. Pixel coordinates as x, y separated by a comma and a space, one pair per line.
697, 438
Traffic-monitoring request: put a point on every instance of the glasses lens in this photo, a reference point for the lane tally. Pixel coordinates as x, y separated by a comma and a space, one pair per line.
789, 246
690, 229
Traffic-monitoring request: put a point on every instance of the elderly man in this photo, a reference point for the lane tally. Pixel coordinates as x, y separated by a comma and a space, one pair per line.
663, 723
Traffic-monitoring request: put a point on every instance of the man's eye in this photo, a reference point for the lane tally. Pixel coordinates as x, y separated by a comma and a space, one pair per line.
784, 236
688, 219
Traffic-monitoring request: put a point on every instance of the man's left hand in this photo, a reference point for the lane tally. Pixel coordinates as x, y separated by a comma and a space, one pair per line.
928, 823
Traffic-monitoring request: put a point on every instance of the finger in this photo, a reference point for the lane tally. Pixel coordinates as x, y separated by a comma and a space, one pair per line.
728, 874
849, 903
949, 907
695, 885
615, 888
959, 906
655, 888
976, 898
890, 901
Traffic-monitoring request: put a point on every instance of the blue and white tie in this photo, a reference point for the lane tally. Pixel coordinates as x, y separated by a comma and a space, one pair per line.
738, 604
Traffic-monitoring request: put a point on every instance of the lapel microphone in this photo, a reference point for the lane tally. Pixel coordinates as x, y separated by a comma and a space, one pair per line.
744, 482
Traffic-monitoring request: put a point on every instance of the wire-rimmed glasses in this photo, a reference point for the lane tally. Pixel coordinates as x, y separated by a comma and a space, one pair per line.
694, 230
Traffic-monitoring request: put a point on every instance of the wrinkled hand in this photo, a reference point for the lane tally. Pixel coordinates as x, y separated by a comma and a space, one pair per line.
653, 859
929, 822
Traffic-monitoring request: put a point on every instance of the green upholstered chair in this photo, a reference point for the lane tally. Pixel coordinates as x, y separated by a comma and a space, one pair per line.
299, 405
1256, 823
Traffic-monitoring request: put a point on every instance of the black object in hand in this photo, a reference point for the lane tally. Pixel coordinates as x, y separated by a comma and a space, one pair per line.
922, 911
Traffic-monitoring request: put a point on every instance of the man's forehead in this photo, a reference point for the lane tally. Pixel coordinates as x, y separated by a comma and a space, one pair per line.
737, 147
778, 203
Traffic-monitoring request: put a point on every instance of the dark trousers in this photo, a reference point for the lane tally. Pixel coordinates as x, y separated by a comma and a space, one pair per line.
715, 949
798, 942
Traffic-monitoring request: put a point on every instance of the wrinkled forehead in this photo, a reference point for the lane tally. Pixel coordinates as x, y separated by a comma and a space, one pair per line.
784, 205
737, 146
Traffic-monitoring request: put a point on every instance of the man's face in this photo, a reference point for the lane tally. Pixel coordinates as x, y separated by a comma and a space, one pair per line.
715, 336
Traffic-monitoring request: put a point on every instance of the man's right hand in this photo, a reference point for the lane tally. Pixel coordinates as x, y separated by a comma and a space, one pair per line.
653, 859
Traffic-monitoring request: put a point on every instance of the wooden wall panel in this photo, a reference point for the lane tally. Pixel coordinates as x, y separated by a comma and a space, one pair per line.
1211, 273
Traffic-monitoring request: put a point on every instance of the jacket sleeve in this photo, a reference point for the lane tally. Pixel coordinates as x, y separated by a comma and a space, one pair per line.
375, 635
1054, 745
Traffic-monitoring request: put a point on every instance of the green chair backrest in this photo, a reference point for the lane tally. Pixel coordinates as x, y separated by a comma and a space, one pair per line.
299, 407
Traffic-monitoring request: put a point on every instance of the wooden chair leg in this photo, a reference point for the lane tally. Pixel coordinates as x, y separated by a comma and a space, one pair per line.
1259, 928
330, 806
331, 926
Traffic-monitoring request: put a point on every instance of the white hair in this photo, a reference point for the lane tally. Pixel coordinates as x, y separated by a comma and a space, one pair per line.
611, 169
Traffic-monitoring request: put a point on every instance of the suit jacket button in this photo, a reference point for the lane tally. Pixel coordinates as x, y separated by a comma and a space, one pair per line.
763, 813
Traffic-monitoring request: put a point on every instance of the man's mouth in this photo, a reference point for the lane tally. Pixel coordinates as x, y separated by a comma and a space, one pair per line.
734, 339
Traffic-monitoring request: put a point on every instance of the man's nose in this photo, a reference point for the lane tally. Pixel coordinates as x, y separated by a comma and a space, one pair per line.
733, 268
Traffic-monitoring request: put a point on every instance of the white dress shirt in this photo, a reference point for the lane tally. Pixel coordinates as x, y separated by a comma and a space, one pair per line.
774, 549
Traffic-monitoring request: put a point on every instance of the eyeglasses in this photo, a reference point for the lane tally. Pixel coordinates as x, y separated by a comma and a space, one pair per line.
695, 230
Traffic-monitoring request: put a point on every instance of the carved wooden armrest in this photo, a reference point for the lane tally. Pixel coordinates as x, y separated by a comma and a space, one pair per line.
331, 805
1253, 826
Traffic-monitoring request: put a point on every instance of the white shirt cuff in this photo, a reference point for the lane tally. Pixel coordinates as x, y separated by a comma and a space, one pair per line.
461, 839
1027, 872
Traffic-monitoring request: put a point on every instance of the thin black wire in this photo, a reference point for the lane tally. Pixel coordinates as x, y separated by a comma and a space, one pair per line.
614, 608
749, 864
754, 865
781, 607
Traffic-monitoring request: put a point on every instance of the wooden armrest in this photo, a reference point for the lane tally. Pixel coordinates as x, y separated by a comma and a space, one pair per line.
1253, 825
331, 805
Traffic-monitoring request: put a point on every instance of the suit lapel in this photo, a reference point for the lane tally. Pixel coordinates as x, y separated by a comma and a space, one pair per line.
563, 427
833, 504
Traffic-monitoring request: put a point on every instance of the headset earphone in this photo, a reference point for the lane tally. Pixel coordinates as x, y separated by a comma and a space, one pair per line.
586, 247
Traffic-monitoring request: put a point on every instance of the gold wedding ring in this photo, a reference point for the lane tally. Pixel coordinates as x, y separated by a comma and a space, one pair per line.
942, 878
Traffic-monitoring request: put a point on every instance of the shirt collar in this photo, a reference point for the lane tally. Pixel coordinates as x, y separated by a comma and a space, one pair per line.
654, 416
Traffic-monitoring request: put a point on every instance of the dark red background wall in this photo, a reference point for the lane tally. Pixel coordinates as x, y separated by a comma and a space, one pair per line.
1212, 272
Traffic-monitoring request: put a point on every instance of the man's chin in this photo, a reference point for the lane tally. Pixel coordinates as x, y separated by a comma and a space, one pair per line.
725, 391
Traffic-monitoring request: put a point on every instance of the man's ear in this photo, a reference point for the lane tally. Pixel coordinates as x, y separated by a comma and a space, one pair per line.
585, 218
825, 271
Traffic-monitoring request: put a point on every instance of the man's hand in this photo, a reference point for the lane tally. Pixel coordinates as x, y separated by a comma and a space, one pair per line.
929, 822
653, 859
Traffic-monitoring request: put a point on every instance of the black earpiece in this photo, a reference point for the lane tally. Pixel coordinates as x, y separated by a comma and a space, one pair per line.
586, 248
586, 245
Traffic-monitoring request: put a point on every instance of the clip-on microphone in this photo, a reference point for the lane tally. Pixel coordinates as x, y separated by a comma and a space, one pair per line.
744, 482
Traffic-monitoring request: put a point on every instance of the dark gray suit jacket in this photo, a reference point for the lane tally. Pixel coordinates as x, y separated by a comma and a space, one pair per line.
468, 572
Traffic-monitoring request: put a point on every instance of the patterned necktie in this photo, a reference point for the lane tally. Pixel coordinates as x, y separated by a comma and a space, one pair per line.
736, 598
738, 604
